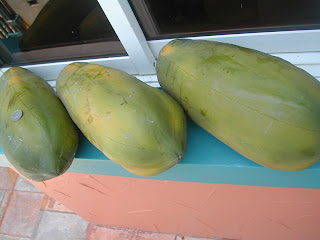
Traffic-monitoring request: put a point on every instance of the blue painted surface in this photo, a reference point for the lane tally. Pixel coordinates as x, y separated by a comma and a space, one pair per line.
207, 160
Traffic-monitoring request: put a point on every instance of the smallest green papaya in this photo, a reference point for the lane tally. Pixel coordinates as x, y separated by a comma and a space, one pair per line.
36, 133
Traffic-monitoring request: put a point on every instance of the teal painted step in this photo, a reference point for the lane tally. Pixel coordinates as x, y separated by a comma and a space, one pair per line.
207, 160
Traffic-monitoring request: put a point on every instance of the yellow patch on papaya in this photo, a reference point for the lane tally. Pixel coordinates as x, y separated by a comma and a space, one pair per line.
15, 79
167, 49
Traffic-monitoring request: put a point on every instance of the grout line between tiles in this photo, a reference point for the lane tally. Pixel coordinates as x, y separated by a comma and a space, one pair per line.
44, 202
89, 231
49, 210
60, 212
27, 191
14, 235
35, 230
11, 176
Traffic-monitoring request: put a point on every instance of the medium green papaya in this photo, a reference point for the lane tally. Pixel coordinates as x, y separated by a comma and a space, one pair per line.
139, 127
261, 106
36, 133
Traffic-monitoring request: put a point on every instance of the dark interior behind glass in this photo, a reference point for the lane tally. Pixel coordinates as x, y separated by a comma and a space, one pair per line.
176, 18
42, 30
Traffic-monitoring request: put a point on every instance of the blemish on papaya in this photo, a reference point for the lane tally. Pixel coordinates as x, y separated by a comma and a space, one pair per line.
13, 100
308, 152
203, 113
108, 115
186, 102
167, 49
107, 72
90, 119
14, 79
125, 101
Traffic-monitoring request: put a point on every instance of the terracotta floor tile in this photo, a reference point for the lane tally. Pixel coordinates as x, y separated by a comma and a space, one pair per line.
60, 226
24, 185
8, 178
96, 232
22, 213
51, 204
4, 202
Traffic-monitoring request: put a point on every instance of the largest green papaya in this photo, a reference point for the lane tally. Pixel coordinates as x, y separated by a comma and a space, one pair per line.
262, 106
36, 133
140, 127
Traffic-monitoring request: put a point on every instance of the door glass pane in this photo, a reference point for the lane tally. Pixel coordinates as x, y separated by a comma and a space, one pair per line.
176, 18
50, 30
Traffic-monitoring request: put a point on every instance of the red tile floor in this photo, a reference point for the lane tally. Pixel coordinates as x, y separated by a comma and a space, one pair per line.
26, 213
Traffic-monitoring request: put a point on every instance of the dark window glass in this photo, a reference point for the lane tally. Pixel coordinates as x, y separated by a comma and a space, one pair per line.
41, 30
174, 18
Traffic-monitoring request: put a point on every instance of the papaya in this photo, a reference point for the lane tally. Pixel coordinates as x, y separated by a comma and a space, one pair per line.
262, 106
137, 126
37, 135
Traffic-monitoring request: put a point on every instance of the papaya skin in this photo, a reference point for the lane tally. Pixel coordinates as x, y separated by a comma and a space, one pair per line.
139, 127
262, 106
41, 145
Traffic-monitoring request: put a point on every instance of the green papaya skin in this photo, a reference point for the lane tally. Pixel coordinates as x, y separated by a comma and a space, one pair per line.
137, 126
262, 106
41, 144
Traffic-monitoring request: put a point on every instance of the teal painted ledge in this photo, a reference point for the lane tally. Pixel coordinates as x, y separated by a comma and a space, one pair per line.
207, 160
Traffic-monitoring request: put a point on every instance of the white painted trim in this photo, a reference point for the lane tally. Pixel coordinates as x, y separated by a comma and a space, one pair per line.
147, 78
154, 84
268, 42
151, 80
51, 71
127, 28
300, 57
313, 69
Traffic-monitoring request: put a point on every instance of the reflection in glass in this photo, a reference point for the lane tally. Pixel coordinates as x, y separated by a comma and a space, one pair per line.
175, 18
42, 30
